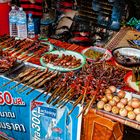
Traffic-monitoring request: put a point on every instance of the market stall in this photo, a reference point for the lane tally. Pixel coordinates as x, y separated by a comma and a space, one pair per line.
54, 90
78, 79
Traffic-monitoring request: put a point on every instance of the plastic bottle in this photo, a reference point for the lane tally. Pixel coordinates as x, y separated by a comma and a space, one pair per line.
31, 30
22, 24
13, 22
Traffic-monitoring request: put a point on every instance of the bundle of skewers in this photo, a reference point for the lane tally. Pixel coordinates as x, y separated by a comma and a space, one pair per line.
4, 37
85, 87
32, 77
6, 61
24, 49
75, 90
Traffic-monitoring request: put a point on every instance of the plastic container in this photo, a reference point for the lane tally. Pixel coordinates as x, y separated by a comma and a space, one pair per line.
22, 24
31, 30
13, 22
46, 24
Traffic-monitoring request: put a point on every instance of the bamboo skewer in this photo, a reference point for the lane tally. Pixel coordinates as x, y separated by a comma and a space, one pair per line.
25, 79
30, 91
75, 104
59, 93
84, 96
22, 55
84, 109
17, 84
4, 42
55, 91
39, 95
33, 82
66, 94
58, 98
14, 45
89, 105
28, 58
37, 76
27, 51
22, 49
47, 79
64, 99
19, 46
42, 83
26, 72
54, 94
43, 93
56, 81
8, 45
67, 99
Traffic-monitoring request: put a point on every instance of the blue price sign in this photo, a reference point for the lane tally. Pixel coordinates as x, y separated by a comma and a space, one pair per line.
22, 118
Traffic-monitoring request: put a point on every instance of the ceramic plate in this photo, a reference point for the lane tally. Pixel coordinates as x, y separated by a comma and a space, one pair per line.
60, 68
130, 54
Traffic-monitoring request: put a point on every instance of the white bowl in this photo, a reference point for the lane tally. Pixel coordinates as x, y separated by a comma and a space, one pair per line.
106, 53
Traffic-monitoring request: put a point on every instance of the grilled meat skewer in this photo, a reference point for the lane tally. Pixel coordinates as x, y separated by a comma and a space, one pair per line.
87, 107
25, 73
56, 81
43, 82
20, 46
76, 103
24, 48
33, 79
59, 98
65, 95
35, 83
67, 100
26, 78
57, 91
6, 41
16, 43
48, 88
